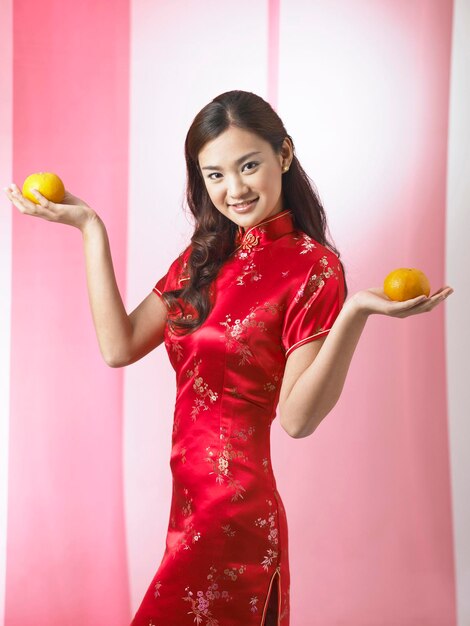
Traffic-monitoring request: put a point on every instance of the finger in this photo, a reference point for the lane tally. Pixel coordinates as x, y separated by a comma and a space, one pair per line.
445, 291
27, 206
419, 300
20, 202
43, 201
17, 193
443, 294
23, 200
435, 300
437, 293
436, 297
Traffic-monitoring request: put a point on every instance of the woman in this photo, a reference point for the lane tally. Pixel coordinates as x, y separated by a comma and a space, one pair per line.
243, 311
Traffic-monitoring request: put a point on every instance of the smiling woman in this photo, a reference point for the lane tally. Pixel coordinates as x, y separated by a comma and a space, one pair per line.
256, 284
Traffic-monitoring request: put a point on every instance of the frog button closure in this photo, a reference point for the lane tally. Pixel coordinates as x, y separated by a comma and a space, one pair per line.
250, 242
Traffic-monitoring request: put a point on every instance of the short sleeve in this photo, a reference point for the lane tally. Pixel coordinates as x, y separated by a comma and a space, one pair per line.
160, 286
315, 305
174, 276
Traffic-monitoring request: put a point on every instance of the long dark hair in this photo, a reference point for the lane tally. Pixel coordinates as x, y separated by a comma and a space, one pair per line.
213, 240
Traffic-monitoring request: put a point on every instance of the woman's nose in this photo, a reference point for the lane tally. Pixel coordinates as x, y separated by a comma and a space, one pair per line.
236, 187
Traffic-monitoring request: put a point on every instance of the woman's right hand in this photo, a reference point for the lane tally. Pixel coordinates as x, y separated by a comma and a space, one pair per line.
72, 210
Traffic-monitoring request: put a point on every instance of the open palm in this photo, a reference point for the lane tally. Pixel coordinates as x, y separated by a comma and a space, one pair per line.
374, 300
71, 210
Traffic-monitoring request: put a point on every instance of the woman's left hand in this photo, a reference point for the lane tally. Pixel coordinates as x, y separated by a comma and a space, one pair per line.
374, 300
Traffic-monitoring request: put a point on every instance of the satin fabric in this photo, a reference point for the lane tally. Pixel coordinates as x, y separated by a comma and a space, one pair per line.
227, 540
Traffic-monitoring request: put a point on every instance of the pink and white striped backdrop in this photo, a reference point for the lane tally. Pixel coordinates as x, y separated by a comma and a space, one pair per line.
375, 96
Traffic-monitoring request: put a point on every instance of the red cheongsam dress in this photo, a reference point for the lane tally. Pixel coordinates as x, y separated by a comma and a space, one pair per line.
226, 561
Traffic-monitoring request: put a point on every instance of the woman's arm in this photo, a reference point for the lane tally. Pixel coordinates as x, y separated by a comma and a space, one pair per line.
311, 388
315, 392
112, 324
123, 338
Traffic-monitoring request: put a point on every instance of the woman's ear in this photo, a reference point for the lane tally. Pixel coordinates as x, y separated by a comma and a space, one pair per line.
287, 152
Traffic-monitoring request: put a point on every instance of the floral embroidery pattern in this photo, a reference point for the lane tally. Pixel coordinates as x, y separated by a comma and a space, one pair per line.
176, 348
158, 584
176, 425
202, 390
253, 603
273, 384
221, 461
190, 535
236, 333
202, 603
220, 468
273, 538
315, 282
233, 391
242, 434
231, 572
307, 244
186, 509
225, 475
249, 270
228, 530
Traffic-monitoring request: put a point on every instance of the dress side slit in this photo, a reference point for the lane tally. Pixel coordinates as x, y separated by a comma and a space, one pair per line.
272, 606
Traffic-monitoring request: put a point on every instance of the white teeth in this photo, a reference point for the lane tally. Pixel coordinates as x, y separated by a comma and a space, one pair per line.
244, 204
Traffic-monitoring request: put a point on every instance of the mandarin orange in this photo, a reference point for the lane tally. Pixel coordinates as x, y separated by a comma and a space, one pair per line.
405, 283
47, 183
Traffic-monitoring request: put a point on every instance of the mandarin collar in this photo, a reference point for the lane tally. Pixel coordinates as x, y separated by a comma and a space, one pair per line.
268, 230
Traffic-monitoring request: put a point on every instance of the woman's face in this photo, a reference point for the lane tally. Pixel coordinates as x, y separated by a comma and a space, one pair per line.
233, 175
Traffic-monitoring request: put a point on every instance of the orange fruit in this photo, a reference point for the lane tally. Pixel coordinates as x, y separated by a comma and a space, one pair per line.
405, 283
47, 183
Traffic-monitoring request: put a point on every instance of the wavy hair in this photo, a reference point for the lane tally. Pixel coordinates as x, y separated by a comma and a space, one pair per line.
214, 237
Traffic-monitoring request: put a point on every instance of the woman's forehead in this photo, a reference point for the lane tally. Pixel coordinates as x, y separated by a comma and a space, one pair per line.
230, 146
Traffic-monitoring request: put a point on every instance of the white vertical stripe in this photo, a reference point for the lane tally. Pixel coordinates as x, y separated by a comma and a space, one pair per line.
6, 152
458, 276
177, 66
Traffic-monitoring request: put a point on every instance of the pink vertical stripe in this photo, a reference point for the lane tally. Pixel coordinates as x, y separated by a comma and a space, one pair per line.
6, 122
66, 558
273, 51
457, 335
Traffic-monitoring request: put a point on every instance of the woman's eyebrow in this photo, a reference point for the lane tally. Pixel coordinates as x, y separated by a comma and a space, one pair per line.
238, 161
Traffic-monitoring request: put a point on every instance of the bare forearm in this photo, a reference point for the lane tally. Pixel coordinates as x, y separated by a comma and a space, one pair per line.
319, 387
112, 324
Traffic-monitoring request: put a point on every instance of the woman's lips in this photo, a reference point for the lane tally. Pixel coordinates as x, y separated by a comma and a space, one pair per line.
245, 207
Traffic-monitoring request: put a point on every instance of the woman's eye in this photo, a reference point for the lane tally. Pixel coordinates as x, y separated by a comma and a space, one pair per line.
254, 163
